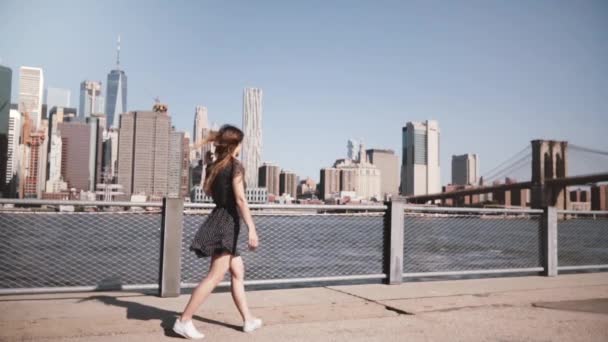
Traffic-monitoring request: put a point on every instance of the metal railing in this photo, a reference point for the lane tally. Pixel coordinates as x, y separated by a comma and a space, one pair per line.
43, 251
300, 244
463, 241
582, 240
128, 245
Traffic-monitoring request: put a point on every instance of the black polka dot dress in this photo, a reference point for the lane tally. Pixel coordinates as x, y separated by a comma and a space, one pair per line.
220, 231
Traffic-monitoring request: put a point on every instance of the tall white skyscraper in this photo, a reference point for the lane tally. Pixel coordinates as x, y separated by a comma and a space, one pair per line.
465, 169
420, 171
13, 151
200, 132
201, 121
31, 85
57, 97
116, 92
252, 127
91, 101
353, 146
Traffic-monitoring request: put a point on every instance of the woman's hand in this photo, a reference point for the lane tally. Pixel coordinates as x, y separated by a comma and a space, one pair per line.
253, 239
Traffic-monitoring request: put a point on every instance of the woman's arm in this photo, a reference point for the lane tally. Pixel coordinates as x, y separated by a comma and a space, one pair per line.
243, 206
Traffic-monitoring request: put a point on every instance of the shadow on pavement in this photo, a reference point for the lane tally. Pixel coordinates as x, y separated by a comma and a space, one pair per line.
596, 305
144, 312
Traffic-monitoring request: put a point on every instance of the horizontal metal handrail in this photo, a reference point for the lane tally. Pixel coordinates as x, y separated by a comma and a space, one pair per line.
79, 203
295, 206
583, 212
584, 267
298, 280
473, 210
472, 272
67, 289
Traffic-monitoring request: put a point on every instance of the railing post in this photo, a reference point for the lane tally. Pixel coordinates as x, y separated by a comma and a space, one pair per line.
394, 242
171, 245
549, 236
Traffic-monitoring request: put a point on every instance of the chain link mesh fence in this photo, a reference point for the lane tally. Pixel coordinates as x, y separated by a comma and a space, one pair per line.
582, 239
473, 241
79, 249
299, 245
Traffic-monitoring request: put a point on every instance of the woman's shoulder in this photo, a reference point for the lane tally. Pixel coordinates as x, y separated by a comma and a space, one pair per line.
237, 166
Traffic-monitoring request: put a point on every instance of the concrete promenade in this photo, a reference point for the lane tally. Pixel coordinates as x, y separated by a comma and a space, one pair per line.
564, 308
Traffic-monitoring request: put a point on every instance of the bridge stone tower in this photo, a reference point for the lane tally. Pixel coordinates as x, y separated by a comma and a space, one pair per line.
549, 161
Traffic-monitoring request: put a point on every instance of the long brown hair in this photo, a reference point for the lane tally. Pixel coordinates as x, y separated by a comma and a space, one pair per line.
226, 140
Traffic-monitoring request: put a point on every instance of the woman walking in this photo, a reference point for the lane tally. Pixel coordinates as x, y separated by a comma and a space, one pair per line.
218, 235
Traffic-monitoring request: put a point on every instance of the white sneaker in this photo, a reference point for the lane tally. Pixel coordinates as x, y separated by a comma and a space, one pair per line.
252, 325
187, 330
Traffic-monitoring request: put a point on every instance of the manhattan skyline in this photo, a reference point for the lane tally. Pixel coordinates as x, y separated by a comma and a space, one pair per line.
494, 75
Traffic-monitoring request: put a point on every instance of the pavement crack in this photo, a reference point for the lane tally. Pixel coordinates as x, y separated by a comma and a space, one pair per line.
387, 307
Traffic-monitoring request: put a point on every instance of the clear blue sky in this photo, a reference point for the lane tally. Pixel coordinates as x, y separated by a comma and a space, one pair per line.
495, 74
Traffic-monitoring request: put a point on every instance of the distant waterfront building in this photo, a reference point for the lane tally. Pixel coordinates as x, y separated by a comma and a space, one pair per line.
35, 173
97, 123
353, 146
465, 169
252, 127
91, 101
175, 167
55, 183
185, 181
269, 178
201, 122
288, 183
420, 169
6, 78
57, 97
329, 183
307, 188
110, 154
116, 93
14, 149
388, 163
201, 131
143, 152
75, 154
253, 195
599, 197
31, 83
359, 176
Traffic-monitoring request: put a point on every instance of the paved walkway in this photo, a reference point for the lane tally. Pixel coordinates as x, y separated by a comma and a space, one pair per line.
565, 308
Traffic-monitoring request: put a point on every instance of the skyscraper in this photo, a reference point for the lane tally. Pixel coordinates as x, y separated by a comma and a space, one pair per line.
420, 171
288, 183
97, 124
13, 160
330, 182
465, 169
75, 154
35, 174
31, 83
143, 152
6, 77
269, 178
116, 93
353, 147
174, 181
252, 127
201, 131
91, 101
201, 121
57, 97
388, 164
360, 176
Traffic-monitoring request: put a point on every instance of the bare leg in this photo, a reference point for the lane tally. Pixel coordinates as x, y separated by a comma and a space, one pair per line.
219, 266
237, 270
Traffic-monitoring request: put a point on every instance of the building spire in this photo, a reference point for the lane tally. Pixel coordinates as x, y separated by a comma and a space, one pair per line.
118, 53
